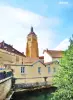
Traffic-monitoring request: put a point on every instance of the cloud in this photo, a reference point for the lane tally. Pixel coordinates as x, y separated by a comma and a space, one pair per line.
63, 45
63, 2
15, 24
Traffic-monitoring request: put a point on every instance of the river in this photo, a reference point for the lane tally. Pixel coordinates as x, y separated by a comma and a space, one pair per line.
44, 94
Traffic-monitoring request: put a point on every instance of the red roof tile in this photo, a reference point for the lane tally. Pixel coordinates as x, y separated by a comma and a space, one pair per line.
10, 48
30, 60
48, 63
54, 53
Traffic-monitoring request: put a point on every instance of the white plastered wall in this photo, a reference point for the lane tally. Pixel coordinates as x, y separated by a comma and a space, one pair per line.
47, 57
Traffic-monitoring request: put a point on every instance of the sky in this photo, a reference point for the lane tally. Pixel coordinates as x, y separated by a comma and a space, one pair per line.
52, 21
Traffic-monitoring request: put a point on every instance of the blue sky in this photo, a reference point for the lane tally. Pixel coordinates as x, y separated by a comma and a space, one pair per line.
51, 19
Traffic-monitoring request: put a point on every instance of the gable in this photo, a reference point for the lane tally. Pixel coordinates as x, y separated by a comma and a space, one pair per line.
54, 53
47, 57
38, 63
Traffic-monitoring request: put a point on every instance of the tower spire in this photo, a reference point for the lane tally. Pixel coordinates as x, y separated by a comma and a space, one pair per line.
31, 29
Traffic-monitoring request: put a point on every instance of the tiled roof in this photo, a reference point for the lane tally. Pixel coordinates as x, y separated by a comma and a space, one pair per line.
10, 48
54, 53
48, 63
30, 60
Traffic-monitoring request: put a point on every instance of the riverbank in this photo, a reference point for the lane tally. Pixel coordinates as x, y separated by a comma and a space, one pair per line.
9, 96
38, 94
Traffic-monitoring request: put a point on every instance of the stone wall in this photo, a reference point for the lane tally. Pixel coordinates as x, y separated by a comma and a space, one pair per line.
5, 86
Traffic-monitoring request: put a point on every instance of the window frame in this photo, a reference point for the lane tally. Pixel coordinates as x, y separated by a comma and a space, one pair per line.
49, 69
39, 70
54, 69
17, 58
22, 70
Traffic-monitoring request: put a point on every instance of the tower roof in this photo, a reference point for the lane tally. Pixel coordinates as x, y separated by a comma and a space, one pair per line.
31, 32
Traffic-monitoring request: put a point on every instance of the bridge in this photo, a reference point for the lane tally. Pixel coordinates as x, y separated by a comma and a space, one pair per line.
31, 85
5, 83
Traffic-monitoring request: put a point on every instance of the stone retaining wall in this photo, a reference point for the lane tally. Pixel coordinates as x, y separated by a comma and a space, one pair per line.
5, 86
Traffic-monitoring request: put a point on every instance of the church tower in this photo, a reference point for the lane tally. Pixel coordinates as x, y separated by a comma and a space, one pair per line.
32, 45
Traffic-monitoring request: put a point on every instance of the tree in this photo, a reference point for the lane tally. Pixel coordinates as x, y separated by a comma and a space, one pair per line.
64, 77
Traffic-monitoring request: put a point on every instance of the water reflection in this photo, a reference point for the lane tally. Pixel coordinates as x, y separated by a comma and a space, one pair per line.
36, 95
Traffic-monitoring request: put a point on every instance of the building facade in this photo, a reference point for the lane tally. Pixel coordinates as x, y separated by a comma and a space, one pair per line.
30, 68
35, 72
9, 55
52, 55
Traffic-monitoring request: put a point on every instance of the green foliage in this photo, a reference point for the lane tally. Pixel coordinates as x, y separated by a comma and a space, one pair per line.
64, 76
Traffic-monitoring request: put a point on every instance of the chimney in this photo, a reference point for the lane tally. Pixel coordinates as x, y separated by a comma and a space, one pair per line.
3, 42
23, 53
46, 49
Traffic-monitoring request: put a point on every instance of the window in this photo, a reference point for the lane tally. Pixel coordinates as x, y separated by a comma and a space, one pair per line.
39, 69
22, 69
49, 69
17, 59
54, 69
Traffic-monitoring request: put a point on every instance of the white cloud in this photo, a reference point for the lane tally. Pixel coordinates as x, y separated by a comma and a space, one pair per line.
63, 2
15, 24
63, 45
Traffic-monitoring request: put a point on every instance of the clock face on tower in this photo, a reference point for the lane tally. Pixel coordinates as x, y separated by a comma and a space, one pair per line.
29, 39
